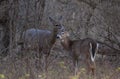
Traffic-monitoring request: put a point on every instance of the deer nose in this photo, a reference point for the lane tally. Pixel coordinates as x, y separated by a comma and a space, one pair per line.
57, 36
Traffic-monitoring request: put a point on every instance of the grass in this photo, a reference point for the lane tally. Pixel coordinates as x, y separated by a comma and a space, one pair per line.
59, 68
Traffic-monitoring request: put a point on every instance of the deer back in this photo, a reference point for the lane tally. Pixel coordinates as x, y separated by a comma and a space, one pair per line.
42, 39
33, 38
80, 47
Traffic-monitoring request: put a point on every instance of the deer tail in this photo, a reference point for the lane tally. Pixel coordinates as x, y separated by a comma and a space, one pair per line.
93, 50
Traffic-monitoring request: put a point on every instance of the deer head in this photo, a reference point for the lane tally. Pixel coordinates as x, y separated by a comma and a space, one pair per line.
63, 35
86, 47
57, 25
64, 38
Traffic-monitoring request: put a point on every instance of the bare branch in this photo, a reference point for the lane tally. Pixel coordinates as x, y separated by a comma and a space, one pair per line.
90, 3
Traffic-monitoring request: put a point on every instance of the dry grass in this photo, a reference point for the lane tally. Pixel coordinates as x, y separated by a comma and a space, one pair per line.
27, 66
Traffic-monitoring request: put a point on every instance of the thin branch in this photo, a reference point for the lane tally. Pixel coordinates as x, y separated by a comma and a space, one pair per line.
90, 3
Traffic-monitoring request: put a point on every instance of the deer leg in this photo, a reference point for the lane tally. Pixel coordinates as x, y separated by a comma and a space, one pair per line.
90, 67
75, 67
93, 68
38, 61
45, 59
46, 63
87, 64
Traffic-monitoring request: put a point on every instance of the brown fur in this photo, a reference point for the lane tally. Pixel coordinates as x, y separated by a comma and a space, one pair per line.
79, 48
41, 40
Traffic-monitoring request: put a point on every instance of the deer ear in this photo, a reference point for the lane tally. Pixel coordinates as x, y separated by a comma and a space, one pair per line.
57, 24
53, 21
62, 28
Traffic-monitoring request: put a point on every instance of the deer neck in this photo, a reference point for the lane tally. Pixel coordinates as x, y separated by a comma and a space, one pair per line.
53, 35
66, 43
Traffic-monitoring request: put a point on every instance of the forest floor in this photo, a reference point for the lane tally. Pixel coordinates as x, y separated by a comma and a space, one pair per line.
28, 66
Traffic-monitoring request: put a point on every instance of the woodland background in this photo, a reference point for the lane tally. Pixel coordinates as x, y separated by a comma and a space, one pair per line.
97, 19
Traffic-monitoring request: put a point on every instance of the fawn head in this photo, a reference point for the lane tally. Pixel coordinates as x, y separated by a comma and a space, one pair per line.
63, 35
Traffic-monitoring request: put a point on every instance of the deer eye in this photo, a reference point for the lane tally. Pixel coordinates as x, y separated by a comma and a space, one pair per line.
62, 32
56, 25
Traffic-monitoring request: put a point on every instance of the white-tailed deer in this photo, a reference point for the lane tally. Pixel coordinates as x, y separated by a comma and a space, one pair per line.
86, 48
41, 40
